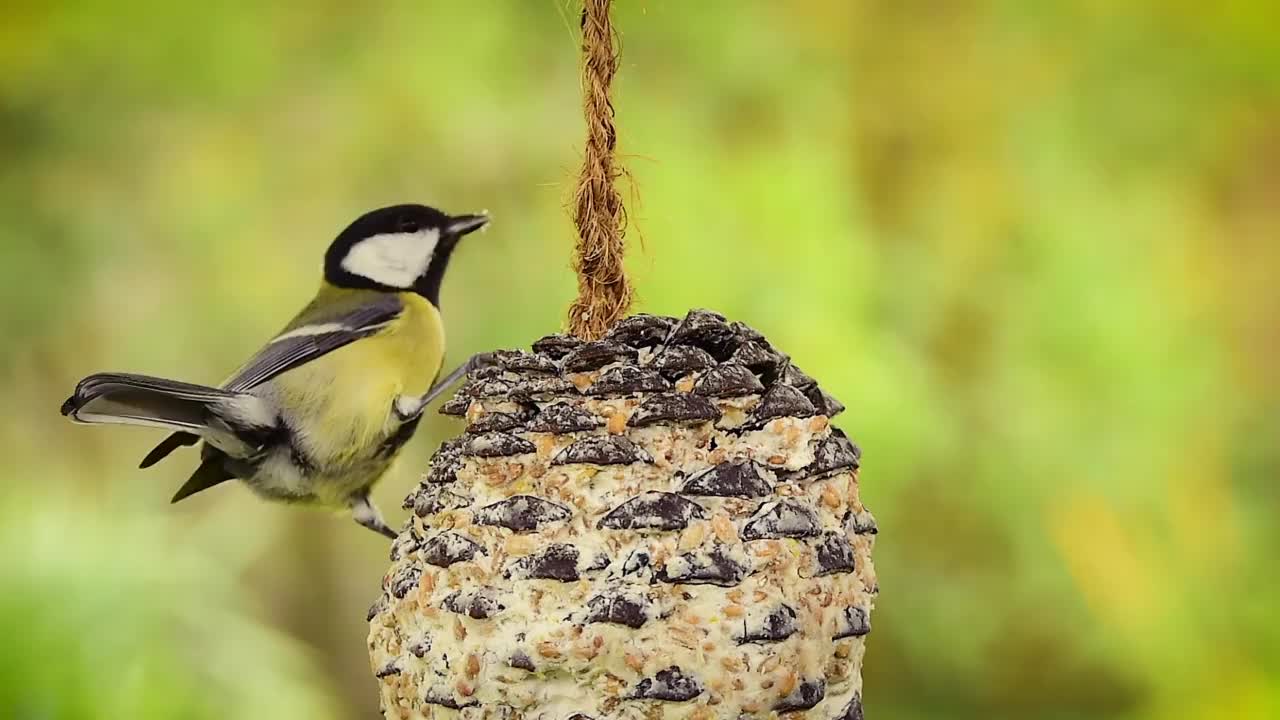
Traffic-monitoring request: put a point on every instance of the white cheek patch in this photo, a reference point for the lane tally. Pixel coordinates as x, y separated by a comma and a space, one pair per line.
393, 259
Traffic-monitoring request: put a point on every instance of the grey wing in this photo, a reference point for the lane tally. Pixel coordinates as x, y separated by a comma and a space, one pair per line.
291, 348
300, 345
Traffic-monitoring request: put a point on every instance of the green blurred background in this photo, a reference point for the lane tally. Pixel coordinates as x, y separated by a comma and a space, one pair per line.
1032, 245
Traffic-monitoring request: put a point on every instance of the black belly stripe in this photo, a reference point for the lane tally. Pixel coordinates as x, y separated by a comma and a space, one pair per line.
299, 458
392, 445
265, 438
283, 435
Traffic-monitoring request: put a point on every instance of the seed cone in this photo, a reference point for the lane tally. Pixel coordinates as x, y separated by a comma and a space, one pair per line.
659, 524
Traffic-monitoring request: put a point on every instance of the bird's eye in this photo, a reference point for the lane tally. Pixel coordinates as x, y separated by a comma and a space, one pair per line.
407, 225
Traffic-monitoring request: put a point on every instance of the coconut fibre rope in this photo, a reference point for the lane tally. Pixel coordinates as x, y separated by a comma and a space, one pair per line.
604, 292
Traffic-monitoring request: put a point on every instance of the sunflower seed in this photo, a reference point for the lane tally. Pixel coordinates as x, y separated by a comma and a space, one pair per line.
674, 407
521, 513
653, 511
670, 684
734, 478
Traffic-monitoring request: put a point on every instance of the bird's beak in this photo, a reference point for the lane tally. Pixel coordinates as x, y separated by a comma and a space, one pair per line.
460, 225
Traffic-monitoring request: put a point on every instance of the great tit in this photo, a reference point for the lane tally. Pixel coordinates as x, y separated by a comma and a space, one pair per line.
319, 414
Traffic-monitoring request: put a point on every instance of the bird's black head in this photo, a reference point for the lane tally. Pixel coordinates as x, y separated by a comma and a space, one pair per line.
398, 248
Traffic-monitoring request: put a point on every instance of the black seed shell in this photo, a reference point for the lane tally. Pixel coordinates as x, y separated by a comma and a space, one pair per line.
556, 346
491, 371
852, 711
481, 604
497, 422
378, 606
597, 354
405, 580
404, 544
713, 567
757, 356
773, 627
618, 608
521, 513
728, 380
446, 463
832, 455
780, 401
672, 685
797, 378
444, 469
806, 695
636, 561
540, 387
602, 450
521, 361
781, 519
735, 478
653, 511
674, 407
679, 360
854, 622
627, 380
833, 555
431, 499
863, 523
456, 405
554, 562
641, 330
497, 444
448, 548
444, 698
707, 330
823, 402
563, 417
745, 332
520, 659
485, 388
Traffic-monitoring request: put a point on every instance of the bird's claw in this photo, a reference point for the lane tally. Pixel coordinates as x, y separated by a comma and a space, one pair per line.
366, 514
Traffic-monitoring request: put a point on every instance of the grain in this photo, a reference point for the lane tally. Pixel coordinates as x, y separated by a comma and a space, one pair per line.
787, 684
723, 529
830, 497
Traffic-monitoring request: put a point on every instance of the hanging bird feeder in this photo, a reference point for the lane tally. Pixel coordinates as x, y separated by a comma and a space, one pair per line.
648, 517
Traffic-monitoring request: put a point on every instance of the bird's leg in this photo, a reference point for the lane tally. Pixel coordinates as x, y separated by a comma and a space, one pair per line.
364, 512
408, 408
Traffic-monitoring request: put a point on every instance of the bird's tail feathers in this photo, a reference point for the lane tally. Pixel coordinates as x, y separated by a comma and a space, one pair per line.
128, 399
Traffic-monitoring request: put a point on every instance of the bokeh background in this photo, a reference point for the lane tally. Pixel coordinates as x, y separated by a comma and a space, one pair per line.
1034, 246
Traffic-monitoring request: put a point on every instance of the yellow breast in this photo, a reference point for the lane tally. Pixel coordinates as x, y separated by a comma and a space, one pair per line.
347, 395
414, 344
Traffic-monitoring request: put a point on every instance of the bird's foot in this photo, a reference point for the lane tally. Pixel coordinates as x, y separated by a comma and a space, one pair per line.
407, 408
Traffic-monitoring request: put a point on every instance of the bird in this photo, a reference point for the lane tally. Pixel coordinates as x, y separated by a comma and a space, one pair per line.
319, 414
